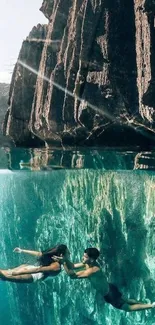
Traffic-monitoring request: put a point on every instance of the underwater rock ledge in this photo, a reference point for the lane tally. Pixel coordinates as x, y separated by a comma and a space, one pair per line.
86, 78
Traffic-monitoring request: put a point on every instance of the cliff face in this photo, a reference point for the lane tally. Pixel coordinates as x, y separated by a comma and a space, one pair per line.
4, 93
22, 88
96, 76
5, 141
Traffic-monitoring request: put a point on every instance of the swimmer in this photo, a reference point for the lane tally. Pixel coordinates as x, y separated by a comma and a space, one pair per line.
32, 273
109, 292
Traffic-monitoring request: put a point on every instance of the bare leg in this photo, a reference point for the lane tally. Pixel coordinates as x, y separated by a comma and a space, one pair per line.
20, 267
136, 306
25, 278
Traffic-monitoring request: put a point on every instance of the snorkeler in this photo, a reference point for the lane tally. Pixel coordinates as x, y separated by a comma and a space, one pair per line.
31, 273
94, 273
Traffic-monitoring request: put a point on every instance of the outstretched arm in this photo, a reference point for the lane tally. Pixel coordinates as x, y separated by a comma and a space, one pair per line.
71, 265
34, 253
80, 274
78, 265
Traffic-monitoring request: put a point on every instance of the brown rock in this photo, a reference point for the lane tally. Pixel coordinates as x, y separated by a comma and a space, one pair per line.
96, 64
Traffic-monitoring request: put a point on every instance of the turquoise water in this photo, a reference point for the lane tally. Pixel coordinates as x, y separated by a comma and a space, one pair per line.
100, 199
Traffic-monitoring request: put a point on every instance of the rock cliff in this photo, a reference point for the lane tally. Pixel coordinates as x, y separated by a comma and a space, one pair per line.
88, 77
4, 92
5, 141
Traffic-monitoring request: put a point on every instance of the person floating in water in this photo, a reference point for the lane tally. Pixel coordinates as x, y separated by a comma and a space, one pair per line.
31, 273
94, 273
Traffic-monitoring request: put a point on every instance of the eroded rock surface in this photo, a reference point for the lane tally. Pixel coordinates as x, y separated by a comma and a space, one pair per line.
87, 77
4, 92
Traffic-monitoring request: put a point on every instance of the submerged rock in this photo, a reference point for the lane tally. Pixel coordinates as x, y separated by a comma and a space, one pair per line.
113, 211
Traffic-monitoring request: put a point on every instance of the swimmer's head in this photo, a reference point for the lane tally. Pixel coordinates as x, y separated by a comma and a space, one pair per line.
67, 254
90, 255
59, 250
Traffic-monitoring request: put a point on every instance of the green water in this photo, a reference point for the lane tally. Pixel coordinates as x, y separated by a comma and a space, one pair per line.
110, 208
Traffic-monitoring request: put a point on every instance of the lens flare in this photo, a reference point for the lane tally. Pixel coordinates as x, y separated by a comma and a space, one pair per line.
66, 91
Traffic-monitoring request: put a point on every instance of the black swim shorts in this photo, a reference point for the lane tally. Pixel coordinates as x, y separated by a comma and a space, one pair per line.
114, 297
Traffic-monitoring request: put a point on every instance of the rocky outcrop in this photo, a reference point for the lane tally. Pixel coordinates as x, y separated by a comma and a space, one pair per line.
95, 84
22, 88
5, 141
4, 93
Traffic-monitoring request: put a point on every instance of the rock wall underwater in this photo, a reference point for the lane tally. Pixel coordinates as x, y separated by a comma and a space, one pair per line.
111, 210
87, 77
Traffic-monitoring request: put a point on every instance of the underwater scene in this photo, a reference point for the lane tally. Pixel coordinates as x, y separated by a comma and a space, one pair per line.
97, 199
77, 162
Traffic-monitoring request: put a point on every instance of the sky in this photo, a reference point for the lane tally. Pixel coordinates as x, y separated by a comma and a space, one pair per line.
17, 17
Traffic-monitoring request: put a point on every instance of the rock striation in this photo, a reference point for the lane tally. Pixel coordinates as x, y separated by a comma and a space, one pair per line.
4, 92
86, 78
5, 141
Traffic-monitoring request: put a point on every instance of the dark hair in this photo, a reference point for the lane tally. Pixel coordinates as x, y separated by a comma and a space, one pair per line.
46, 257
92, 252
